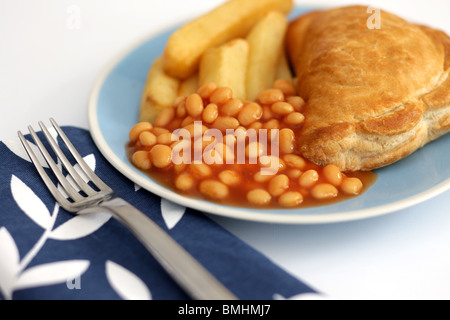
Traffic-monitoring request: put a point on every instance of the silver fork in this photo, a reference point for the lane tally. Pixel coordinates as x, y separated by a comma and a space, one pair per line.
197, 282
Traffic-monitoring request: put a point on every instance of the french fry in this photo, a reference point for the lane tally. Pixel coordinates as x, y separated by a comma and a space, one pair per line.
233, 19
159, 92
188, 86
283, 70
226, 66
266, 40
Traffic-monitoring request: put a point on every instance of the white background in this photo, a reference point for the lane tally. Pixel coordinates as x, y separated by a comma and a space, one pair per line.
48, 68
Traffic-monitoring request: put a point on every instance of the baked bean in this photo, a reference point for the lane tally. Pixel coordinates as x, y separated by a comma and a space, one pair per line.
351, 186
212, 157
278, 185
294, 119
174, 124
324, 191
294, 161
267, 113
178, 100
232, 107
261, 178
297, 102
290, 199
332, 174
287, 140
270, 96
137, 129
210, 113
206, 141
308, 178
179, 168
200, 170
164, 117
271, 161
250, 113
221, 95
254, 150
165, 138
206, 90
256, 125
229, 177
224, 123
187, 121
230, 140
271, 124
181, 109
294, 173
194, 105
141, 160
196, 129
240, 133
161, 155
147, 139
285, 86
224, 153
184, 182
282, 108
157, 131
214, 189
259, 197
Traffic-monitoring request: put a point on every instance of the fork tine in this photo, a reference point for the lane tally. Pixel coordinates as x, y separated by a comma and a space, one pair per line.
66, 163
44, 176
87, 170
56, 171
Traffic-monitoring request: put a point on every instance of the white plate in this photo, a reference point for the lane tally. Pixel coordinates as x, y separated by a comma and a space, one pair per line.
113, 110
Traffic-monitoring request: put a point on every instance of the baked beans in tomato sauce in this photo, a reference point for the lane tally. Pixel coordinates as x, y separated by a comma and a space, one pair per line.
212, 146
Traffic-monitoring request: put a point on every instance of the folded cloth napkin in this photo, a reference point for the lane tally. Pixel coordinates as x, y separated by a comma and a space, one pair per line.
48, 253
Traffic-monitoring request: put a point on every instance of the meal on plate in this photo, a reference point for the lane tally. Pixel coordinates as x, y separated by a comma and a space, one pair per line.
247, 108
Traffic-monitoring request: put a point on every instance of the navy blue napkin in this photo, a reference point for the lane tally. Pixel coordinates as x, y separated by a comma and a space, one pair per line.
48, 253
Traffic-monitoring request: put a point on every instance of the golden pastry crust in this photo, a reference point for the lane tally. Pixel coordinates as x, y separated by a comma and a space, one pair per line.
373, 96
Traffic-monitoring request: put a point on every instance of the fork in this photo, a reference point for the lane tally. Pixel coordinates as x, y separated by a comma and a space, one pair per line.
190, 275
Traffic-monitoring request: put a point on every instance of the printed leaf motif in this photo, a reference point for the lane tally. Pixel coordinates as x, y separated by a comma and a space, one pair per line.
126, 284
30, 203
80, 226
171, 212
9, 263
17, 148
51, 273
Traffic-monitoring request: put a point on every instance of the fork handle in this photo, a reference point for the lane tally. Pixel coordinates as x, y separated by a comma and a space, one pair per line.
198, 282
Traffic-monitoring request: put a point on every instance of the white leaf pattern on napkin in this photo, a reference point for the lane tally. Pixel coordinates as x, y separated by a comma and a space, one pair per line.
51, 273
17, 148
171, 212
80, 226
126, 284
30, 203
9, 263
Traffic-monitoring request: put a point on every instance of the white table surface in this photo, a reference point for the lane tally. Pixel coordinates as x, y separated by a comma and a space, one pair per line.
49, 63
